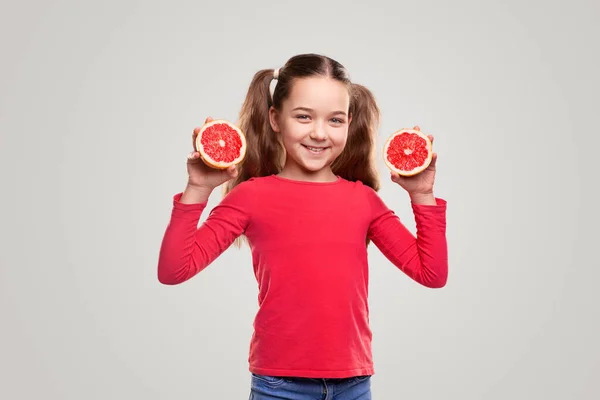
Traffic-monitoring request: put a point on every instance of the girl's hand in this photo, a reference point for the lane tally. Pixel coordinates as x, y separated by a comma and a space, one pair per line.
200, 175
420, 185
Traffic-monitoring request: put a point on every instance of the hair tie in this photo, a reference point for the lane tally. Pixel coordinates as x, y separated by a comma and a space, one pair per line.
274, 82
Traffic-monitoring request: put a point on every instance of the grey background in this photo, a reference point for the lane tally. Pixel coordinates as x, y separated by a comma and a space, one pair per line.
97, 105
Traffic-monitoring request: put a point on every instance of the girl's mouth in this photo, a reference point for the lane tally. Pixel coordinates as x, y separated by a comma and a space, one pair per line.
314, 150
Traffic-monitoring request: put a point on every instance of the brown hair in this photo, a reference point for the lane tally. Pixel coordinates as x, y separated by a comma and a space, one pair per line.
265, 154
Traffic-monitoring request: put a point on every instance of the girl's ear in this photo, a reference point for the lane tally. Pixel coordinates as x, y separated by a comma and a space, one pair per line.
273, 119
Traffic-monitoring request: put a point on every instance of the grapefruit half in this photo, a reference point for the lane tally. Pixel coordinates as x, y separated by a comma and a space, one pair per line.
407, 152
220, 144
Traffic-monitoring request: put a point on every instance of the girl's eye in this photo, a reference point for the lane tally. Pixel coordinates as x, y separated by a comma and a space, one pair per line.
307, 117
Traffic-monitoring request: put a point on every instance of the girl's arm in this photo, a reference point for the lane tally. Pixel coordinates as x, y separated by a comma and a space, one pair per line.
423, 257
187, 249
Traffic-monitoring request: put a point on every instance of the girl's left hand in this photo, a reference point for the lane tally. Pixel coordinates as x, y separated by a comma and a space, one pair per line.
422, 183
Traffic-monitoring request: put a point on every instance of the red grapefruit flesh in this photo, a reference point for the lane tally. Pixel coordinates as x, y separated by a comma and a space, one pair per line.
407, 152
221, 144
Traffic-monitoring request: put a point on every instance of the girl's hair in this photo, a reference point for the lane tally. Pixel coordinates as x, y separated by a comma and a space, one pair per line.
265, 154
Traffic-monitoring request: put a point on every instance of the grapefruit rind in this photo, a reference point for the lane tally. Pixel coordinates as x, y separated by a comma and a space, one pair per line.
415, 170
220, 164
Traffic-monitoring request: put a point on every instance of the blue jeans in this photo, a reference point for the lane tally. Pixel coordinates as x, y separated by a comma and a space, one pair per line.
289, 388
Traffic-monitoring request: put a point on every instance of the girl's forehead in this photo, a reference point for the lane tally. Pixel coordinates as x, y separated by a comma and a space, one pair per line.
318, 93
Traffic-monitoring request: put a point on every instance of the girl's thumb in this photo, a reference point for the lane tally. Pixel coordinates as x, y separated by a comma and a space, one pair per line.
232, 171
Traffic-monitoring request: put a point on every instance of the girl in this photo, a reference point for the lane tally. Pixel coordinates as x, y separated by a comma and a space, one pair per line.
305, 198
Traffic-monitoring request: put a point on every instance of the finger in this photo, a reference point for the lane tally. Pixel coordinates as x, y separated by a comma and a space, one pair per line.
229, 173
208, 119
434, 158
417, 128
193, 157
430, 138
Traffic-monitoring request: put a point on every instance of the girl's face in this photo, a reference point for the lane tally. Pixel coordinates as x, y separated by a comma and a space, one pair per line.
313, 126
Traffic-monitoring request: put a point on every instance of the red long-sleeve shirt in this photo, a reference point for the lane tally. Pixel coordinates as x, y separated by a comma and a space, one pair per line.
308, 243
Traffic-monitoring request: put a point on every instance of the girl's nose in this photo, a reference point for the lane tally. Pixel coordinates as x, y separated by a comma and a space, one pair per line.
318, 133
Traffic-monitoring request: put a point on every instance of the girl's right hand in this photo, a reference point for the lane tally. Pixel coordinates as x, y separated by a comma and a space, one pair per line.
200, 175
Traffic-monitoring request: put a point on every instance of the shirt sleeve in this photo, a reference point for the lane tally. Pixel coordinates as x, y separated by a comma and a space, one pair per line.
187, 249
424, 257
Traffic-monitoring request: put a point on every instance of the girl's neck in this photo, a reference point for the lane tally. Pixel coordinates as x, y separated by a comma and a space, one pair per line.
324, 175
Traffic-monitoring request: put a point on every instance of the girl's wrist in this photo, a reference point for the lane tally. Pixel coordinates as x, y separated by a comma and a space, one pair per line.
423, 198
195, 194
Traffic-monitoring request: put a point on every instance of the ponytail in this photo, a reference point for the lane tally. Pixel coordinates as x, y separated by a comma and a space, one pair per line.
264, 153
357, 161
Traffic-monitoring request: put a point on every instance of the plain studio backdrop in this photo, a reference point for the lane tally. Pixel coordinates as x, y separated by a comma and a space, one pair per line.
98, 101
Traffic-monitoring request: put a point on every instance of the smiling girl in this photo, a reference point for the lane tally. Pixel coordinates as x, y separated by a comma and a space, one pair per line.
305, 197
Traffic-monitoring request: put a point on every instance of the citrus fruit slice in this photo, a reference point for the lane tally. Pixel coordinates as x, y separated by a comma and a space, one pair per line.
220, 144
407, 152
